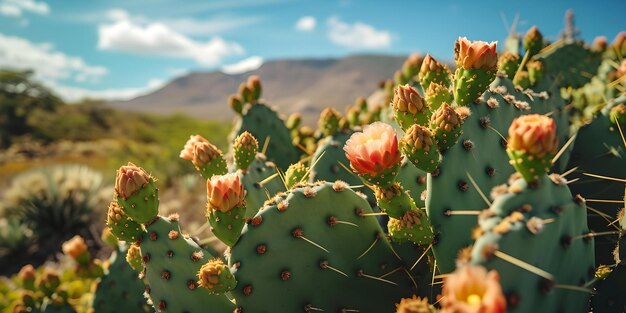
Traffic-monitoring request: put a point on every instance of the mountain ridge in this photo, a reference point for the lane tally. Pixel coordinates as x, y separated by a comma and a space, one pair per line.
291, 85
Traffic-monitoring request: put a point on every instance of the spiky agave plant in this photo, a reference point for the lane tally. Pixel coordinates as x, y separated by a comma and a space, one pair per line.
55, 203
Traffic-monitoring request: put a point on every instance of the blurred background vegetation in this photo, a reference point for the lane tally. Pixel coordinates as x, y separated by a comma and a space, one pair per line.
58, 162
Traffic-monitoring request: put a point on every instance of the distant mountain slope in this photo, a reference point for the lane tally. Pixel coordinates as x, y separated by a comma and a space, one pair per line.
305, 86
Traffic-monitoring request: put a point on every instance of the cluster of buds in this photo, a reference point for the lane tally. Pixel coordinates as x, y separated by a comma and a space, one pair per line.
409, 107
244, 150
207, 158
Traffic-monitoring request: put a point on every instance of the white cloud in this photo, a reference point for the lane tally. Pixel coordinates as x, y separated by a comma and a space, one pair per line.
49, 64
125, 34
243, 66
74, 94
357, 35
15, 8
306, 24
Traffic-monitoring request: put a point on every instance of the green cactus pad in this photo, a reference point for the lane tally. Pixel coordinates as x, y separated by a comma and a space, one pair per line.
227, 225
328, 159
142, 206
569, 64
256, 193
529, 166
216, 167
599, 150
469, 84
294, 242
264, 124
171, 264
123, 227
543, 226
480, 155
120, 290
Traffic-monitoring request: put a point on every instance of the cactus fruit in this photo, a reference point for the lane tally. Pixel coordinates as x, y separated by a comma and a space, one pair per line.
522, 80
122, 226
508, 64
535, 72
245, 149
529, 235
446, 125
409, 107
476, 63
293, 241
226, 208
420, 147
329, 122
414, 304
215, 276
134, 258
171, 262
432, 71
207, 158
413, 226
136, 193
373, 153
436, 95
533, 41
531, 145
295, 174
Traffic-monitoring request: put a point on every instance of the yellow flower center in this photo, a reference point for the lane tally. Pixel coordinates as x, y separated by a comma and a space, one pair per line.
473, 300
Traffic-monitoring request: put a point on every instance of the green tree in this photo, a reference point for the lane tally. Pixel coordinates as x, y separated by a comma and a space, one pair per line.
20, 94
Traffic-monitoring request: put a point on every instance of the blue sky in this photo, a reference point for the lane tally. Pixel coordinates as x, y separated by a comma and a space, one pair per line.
119, 49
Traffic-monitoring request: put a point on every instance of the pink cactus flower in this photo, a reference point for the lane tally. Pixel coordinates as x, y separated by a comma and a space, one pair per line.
225, 192
533, 133
130, 179
187, 152
475, 54
470, 289
374, 150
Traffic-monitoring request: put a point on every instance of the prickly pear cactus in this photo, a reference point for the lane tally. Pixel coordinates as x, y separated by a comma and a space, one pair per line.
171, 262
544, 228
265, 124
479, 155
598, 155
570, 64
120, 289
257, 187
317, 235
